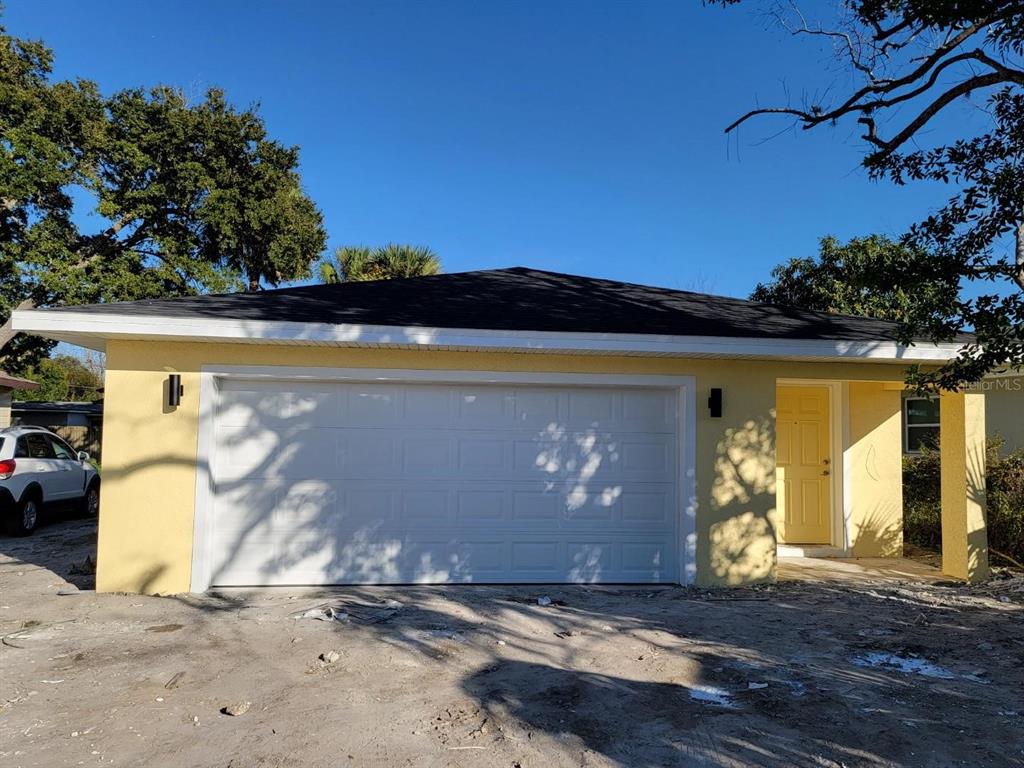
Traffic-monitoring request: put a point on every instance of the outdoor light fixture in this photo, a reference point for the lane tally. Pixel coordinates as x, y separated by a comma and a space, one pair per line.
174, 390
715, 403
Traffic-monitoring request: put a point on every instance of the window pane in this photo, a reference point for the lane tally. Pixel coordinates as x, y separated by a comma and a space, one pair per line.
39, 447
918, 436
921, 411
21, 449
61, 450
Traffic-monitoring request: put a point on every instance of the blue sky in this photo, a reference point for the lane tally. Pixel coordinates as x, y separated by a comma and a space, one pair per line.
583, 137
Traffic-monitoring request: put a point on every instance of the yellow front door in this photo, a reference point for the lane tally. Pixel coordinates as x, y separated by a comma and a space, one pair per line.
803, 461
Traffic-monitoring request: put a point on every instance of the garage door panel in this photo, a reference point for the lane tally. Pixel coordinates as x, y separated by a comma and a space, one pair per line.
346, 453
484, 406
596, 457
645, 457
581, 508
478, 455
361, 453
647, 507
592, 409
434, 483
247, 452
644, 558
425, 507
427, 406
537, 505
590, 561
425, 456
375, 405
242, 451
646, 408
516, 506
539, 407
479, 505
535, 557
382, 556
301, 405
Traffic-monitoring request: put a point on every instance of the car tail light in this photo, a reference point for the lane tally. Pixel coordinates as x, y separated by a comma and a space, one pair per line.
7, 467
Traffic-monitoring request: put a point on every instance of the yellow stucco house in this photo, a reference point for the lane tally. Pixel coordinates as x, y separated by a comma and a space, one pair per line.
503, 426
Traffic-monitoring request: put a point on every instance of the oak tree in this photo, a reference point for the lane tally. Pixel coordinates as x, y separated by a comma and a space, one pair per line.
186, 197
913, 61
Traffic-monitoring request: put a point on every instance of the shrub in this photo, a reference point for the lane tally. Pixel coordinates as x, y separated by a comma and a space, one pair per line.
1004, 482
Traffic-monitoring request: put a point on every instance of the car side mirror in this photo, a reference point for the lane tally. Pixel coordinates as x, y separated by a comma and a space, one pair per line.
83, 456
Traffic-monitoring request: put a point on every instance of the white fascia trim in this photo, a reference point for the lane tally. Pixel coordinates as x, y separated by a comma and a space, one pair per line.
111, 326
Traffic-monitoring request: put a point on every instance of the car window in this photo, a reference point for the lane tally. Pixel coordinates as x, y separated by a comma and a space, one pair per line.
61, 449
21, 449
39, 447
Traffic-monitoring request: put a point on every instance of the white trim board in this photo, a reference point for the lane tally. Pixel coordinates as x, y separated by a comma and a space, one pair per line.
93, 329
209, 393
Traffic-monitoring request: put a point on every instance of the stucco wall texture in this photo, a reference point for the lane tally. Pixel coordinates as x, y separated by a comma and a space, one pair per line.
150, 450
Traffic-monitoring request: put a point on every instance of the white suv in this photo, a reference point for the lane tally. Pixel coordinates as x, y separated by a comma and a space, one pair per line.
37, 468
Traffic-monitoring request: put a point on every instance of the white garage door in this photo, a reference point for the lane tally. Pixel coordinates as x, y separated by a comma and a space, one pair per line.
342, 483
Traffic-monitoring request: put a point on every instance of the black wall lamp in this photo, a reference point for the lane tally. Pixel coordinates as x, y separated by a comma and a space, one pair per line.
715, 403
174, 390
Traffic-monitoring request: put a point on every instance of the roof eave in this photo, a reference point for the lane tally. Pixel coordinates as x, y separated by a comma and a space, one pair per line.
16, 382
94, 330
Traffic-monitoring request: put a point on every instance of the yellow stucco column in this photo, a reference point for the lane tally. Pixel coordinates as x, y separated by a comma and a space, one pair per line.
962, 453
875, 467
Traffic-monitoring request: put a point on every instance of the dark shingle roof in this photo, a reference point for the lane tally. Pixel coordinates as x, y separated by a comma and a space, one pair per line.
512, 300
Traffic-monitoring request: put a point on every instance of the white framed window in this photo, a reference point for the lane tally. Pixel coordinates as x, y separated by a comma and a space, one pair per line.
920, 423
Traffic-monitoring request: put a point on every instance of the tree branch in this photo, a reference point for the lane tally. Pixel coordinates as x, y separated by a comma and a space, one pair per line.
804, 29
806, 117
817, 117
886, 148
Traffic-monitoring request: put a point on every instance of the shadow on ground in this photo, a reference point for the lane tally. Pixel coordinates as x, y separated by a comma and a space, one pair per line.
788, 675
794, 674
64, 544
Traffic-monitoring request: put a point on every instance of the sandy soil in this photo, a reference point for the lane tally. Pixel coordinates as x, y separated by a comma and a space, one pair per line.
793, 675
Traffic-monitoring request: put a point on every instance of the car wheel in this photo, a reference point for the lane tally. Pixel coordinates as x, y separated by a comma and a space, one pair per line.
91, 500
26, 516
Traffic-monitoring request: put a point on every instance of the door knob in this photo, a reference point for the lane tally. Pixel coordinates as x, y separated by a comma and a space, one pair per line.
826, 473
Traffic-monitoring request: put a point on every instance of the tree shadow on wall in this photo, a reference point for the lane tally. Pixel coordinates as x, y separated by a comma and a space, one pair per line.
283, 506
742, 532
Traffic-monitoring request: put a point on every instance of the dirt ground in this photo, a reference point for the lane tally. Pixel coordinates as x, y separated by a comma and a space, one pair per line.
798, 674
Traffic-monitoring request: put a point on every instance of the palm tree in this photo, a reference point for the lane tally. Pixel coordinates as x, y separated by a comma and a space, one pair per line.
358, 263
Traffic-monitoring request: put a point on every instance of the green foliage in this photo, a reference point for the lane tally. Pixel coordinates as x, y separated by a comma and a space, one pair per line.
910, 61
46, 135
922, 521
359, 263
845, 279
193, 197
963, 238
64, 377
